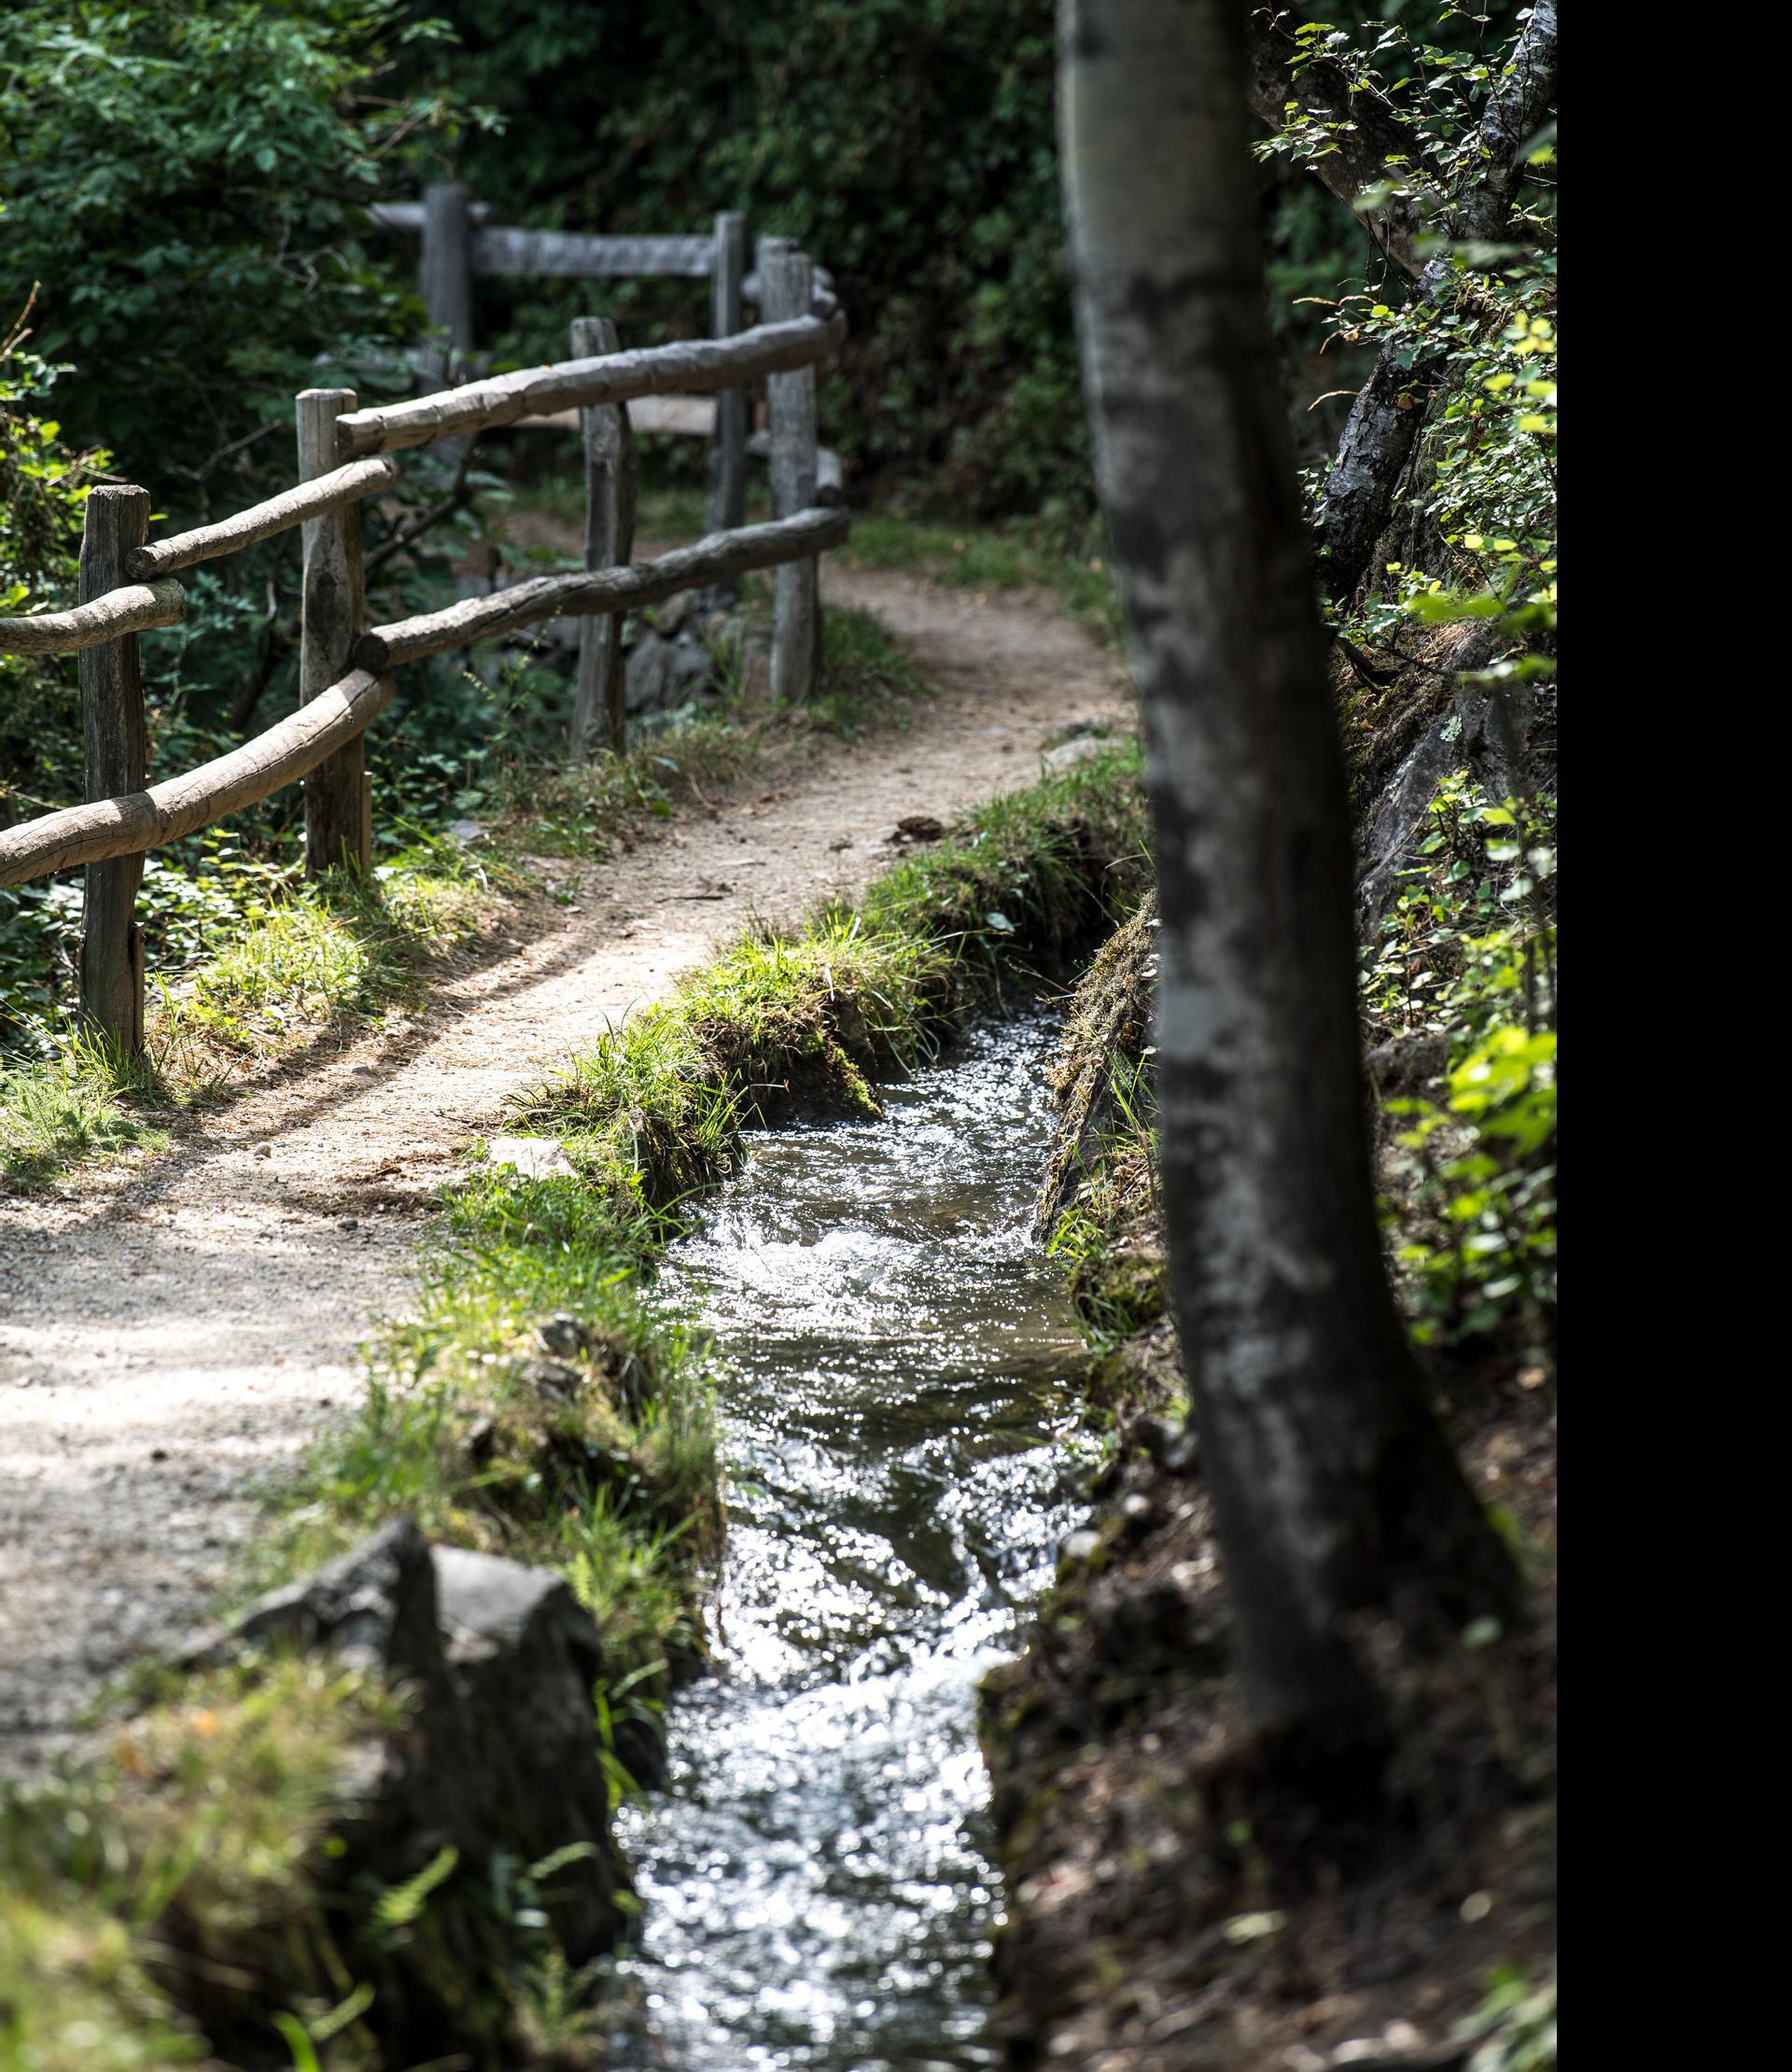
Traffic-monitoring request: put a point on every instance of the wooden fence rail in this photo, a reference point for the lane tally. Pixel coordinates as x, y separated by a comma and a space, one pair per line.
344, 666
694, 366
136, 608
291, 507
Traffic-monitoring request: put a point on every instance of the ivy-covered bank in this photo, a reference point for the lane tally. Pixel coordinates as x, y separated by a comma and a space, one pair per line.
243, 1868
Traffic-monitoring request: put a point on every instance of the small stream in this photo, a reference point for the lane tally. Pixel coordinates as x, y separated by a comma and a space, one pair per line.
893, 1352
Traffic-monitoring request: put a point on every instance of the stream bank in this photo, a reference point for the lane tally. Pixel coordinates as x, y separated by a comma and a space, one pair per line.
525, 1414
1172, 1907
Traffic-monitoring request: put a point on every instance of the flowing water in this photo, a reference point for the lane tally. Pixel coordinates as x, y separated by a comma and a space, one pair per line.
894, 1351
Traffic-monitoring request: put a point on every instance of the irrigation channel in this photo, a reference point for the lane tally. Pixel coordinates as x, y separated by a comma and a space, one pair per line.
895, 1353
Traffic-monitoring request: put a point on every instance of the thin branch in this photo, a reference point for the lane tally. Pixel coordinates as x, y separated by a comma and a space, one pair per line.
408, 535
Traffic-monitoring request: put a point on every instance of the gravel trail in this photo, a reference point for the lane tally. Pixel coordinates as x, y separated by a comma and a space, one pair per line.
171, 1333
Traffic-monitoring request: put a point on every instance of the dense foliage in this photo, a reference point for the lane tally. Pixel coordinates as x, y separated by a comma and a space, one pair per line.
182, 188
911, 148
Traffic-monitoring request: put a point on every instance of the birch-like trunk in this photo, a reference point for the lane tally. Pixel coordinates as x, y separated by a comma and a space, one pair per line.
1336, 1490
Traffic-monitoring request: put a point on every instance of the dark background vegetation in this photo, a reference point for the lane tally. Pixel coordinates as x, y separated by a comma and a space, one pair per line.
185, 238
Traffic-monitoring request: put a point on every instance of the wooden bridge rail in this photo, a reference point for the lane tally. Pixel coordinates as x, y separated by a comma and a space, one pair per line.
345, 667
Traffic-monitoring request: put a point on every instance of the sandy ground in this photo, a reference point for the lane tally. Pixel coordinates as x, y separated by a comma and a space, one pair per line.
170, 1335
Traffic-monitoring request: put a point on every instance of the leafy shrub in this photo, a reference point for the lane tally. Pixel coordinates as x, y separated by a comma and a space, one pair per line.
181, 186
1467, 960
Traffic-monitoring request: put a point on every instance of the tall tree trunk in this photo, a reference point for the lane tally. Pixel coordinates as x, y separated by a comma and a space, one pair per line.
1336, 1490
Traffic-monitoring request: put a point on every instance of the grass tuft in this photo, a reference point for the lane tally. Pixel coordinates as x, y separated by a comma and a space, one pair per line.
331, 953
71, 1110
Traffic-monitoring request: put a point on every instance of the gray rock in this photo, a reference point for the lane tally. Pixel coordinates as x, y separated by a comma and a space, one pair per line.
664, 672
498, 1758
533, 1157
647, 674
552, 1378
1484, 731
563, 1335
1094, 724
524, 1656
374, 1606
1068, 754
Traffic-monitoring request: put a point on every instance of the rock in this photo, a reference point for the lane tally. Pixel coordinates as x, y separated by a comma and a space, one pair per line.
1172, 1447
1092, 725
374, 1606
533, 1157
1484, 731
662, 673
524, 1656
918, 827
552, 1378
498, 1758
1404, 1064
1068, 754
647, 674
466, 833
563, 1335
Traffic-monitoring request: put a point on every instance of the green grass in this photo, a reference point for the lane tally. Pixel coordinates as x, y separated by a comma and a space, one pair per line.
188, 1861
327, 954
72, 1109
970, 556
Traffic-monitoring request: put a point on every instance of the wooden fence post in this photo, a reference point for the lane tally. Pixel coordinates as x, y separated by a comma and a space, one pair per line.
339, 815
786, 284
447, 273
728, 454
600, 703
117, 754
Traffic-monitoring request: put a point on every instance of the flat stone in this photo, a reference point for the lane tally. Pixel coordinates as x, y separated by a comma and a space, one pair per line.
533, 1158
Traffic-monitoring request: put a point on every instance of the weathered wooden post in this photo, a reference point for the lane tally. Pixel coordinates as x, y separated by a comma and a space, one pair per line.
600, 707
728, 454
117, 755
339, 807
447, 273
786, 285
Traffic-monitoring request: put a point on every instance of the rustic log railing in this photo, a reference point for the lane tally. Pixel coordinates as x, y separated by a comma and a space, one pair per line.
346, 665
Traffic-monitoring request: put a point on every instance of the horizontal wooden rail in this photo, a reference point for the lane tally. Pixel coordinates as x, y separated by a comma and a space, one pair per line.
701, 365
291, 507
694, 416
133, 608
409, 216
497, 248
569, 254
604, 590
141, 820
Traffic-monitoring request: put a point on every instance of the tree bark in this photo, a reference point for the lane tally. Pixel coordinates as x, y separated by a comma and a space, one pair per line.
1336, 1492
1376, 132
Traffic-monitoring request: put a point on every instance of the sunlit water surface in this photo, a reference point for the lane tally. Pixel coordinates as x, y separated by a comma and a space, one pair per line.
894, 1351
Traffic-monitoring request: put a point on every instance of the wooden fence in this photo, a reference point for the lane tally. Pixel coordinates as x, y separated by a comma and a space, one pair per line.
126, 587
460, 243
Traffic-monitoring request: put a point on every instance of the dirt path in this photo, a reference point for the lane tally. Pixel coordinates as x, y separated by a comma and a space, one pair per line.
167, 1336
